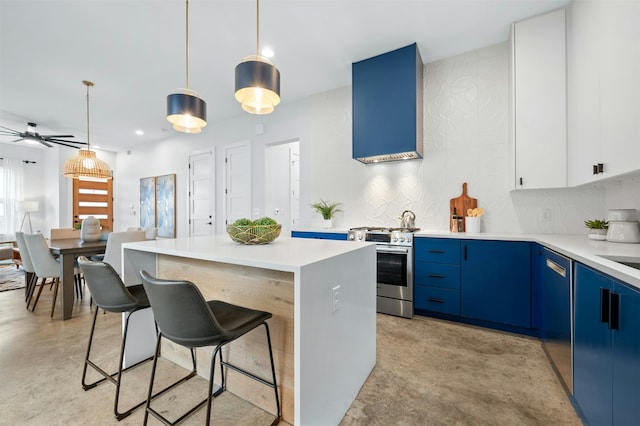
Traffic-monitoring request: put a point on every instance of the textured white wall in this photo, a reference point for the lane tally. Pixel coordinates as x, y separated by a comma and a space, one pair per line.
466, 137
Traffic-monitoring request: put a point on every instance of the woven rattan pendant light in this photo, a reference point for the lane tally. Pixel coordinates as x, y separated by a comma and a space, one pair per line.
86, 164
257, 79
186, 110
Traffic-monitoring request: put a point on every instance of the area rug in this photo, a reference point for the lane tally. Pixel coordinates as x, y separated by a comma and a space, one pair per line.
11, 278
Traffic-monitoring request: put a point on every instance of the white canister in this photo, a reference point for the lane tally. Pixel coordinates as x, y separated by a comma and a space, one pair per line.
623, 232
472, 224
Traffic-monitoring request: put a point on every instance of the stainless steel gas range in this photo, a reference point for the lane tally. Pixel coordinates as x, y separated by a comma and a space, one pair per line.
394, 248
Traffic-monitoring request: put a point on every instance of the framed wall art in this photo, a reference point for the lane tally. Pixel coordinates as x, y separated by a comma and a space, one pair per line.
148, 202
166, 205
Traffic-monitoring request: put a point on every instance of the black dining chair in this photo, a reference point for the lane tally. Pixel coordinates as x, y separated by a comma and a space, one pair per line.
110, 294
184, 317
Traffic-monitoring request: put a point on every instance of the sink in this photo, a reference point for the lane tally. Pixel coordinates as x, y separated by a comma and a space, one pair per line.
633, 262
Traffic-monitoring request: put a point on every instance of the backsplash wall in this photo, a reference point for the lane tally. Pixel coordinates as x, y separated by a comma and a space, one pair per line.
466, 139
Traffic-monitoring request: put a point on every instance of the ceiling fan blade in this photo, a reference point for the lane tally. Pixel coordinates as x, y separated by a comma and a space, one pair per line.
43, 142
11, 130
65, 141
66, 144
57, 136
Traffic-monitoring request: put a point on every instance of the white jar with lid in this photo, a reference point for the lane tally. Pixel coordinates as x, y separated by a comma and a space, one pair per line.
623, 226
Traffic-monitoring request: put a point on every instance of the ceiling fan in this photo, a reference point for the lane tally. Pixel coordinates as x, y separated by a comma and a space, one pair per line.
34, 137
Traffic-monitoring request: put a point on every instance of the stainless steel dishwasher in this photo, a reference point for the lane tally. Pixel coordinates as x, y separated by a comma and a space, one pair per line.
557, 313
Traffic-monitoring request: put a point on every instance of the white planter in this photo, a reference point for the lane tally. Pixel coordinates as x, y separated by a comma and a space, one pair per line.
327, 223
597, 234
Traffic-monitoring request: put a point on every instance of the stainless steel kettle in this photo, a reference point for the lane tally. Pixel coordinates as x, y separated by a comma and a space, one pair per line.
407, 219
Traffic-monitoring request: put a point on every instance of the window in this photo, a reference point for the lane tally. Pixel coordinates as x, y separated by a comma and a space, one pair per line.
11, 175
93, 197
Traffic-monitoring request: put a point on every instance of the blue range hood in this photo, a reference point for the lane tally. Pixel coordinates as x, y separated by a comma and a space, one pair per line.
387, 106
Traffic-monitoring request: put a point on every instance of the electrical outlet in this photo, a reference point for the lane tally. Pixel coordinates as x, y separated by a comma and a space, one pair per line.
335, 298
545, 215
255, 212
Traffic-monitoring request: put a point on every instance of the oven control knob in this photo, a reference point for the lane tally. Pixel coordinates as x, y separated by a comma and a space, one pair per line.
395, 239
352, 237
402, 239
360, 237
408, 239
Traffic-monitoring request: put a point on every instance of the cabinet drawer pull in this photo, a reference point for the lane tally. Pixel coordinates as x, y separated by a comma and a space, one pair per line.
436, 276
614, 309
556, 268
605, 296
435, 251
435, 300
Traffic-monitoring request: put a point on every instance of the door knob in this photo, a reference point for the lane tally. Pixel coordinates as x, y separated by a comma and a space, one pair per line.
209, 223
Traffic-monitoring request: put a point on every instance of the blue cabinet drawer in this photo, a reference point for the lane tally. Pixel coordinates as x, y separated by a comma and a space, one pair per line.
439, 250
437, 299
319, 235
437, 275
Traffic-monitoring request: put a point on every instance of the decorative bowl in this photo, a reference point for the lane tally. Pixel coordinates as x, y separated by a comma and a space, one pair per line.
254, 234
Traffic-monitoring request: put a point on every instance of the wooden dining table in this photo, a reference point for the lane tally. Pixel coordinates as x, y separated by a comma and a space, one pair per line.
68, 250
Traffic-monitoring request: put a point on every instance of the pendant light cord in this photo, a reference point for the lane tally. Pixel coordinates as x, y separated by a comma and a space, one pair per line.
187, 43
88, 84
257, 27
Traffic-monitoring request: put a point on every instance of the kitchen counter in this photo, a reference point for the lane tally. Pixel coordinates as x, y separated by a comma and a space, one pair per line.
324, 313
577, 247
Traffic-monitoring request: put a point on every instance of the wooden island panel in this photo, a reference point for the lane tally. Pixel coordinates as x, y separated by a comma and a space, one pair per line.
255, 288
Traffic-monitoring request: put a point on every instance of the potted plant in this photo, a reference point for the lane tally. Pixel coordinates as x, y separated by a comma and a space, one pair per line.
327, 209
597, 229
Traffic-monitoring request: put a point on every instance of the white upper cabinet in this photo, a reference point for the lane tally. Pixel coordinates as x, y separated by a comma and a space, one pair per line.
604, 90
539, 78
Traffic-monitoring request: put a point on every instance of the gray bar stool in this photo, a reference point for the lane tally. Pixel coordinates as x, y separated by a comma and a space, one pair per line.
110, 294
187, 319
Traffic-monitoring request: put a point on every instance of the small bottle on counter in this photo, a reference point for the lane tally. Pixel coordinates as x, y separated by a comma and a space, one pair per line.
454, 221
460, 223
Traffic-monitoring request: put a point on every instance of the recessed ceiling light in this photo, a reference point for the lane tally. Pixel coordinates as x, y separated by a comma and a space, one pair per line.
267, 52
139, 132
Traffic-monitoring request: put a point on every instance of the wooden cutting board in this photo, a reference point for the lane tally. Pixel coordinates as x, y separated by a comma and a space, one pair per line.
462, 204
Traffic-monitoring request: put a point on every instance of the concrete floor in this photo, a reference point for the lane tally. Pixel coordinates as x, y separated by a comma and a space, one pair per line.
428, 372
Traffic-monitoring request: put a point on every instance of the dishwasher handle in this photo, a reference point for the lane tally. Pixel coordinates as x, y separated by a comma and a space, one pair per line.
556, 268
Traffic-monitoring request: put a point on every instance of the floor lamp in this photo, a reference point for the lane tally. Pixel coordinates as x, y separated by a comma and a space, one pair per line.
28, 207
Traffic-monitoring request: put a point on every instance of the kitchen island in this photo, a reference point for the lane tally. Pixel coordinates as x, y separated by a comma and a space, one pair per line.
323, 327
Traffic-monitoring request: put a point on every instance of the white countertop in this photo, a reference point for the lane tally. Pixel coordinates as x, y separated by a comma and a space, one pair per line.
577, 247
283, 254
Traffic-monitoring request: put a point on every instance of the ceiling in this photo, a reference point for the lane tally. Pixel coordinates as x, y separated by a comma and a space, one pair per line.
134, 52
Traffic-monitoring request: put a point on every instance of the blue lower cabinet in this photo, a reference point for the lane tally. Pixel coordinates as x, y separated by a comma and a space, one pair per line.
437, 275
495, 283
441, 300
320, 235
626, 358
606, 354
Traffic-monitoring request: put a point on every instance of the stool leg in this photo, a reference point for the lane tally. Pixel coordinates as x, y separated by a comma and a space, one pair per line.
273, 372
153, 376
86, 386
148, 409
211, 394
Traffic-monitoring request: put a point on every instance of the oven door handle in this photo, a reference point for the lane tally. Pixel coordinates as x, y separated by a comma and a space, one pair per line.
392, 250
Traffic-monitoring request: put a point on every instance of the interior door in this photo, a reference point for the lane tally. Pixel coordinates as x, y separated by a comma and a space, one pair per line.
237, 182
202, 194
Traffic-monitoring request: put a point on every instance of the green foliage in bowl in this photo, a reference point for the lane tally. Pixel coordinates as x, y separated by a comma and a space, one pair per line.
260, 231
596, 224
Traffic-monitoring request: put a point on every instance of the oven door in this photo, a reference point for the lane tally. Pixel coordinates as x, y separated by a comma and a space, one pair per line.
395, 272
